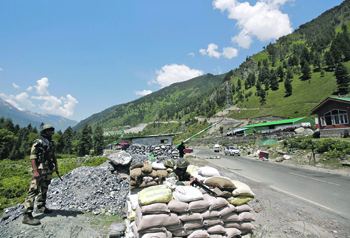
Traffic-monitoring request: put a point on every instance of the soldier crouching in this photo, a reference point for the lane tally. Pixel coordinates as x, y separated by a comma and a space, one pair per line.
44, 163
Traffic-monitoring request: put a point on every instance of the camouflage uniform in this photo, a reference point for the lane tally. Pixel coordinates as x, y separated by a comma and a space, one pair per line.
45, 160
180, 175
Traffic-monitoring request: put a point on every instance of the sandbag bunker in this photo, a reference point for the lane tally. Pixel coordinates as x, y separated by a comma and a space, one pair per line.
165, 210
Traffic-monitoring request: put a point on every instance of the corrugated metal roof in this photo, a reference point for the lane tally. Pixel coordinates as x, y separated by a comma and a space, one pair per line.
276, 122
344, 99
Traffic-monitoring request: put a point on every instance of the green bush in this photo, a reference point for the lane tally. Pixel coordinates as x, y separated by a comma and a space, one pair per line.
96, 161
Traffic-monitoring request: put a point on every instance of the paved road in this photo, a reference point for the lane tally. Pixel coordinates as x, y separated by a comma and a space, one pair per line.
328, 191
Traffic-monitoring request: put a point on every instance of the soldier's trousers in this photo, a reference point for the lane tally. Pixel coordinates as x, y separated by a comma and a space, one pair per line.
38, 187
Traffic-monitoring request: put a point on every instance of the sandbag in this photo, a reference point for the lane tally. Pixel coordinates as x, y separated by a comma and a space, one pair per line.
232, 232
135, 173
153, 230
176, 227
198, 206
222, 193
210, 214
215, 203
187, 194
191, 225
133, 183
154, 220
165, 234
155, 208
227, 210
213, 221
162, 174
152, 174
230, 217
221, 183
199, 234
177, 206
216, 236
246, 216
243, 208
155, 194
149, 184
131, 215
242, 189
190, 216
182, 232
156, 165
247, 226
233, 224
147, 168
191, 169
216, 229
207, 171
138, 165
239, 200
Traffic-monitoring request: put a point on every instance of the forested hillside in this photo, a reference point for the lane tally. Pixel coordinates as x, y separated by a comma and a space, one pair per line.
287, 79
165, 104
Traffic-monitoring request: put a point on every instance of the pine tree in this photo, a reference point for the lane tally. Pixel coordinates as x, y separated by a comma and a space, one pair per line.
274, 81
239, 85
280, 73
98, 140
85, 141
67, 141
306, 71
342, 75
288, 86
329, 60
289, 73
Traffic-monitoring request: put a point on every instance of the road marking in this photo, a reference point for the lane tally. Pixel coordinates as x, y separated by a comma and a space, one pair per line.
305, 199
313, 179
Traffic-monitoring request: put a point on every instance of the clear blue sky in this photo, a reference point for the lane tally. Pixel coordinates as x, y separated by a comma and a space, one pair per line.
77, 58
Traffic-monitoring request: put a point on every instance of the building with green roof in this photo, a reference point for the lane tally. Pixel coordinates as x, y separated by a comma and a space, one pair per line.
278, 125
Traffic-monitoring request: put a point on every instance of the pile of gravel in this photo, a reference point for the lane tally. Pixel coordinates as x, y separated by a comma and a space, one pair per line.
102, 189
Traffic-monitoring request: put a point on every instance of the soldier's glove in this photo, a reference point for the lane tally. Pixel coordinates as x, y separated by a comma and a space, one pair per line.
36, 174
55, 168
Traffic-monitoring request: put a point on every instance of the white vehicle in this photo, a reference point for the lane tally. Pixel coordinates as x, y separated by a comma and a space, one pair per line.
231, 150
216, 148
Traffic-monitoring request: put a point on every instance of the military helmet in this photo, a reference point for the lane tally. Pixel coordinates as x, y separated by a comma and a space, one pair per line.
169, 163
47, 127
182, 163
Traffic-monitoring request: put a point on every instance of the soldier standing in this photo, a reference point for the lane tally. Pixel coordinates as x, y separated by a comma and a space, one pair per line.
44, 163
181, 149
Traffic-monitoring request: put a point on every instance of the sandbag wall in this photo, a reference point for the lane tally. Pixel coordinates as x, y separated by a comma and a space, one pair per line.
145, 174
186, 211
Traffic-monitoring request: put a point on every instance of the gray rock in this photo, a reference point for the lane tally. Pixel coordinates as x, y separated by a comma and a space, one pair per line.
117, 230
121, 158
279, 159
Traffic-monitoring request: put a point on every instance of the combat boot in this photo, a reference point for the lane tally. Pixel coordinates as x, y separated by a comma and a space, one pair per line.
43, 210
30, 220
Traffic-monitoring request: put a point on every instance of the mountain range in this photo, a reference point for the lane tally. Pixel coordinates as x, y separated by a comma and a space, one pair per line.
25, 117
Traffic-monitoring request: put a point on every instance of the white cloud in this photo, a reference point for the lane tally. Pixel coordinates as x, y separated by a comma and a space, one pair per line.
29, 88
191, 54
0, 69
211, 51
174, 73
264, 20
3, 95
23, 98
229, 52
54, 105
143, 93
41, 88
15, 85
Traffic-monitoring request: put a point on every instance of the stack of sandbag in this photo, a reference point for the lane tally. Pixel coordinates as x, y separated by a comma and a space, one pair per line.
203, 173
185, 212
143, 175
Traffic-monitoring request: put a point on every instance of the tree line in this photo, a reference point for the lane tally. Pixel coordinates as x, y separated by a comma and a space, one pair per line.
16, 141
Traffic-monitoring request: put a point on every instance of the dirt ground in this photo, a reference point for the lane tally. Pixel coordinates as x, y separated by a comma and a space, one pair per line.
280, 215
